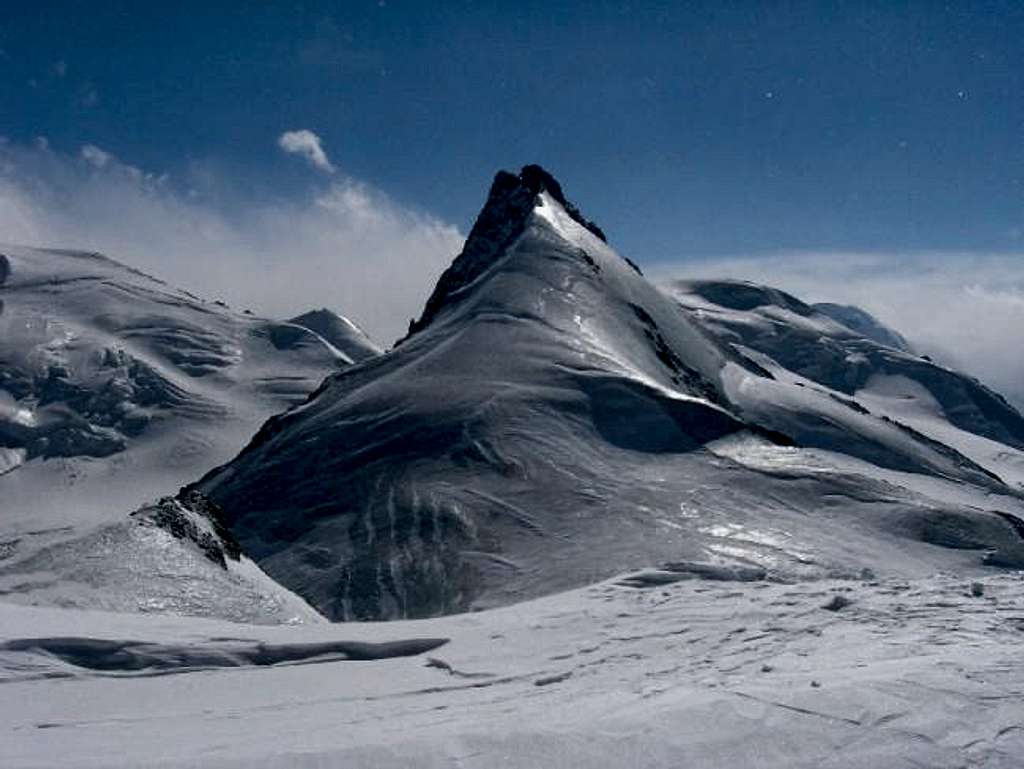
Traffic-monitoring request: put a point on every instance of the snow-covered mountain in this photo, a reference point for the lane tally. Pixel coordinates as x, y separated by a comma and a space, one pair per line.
116, 388
850, 358
553, 418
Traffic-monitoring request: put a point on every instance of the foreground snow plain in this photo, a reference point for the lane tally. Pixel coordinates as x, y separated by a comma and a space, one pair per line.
694, 673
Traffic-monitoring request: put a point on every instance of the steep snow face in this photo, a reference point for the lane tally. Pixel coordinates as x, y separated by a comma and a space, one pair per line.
553, 418
116, 388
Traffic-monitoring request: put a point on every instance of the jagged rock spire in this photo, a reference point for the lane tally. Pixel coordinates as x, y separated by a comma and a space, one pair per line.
501, 221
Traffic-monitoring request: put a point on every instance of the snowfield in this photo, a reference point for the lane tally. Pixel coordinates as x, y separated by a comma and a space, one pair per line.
690, 674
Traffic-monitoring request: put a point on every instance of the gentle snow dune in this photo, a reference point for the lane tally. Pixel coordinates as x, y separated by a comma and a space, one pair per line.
697, 674
554, 418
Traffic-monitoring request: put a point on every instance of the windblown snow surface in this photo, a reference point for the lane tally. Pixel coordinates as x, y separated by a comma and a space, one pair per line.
698, 674
116, 388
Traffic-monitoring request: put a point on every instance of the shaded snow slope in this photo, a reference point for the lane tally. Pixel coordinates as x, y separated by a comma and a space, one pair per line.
827, 360
116, 388
864, 323
553, 418
699, 674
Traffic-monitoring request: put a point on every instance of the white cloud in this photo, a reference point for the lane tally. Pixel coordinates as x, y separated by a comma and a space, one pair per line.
95, 156
966, 310
307, 144
342, 245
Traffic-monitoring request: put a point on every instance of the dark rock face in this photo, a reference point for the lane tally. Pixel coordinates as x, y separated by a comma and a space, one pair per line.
509, 203
537, 180
175, 515
681, 373
5, 269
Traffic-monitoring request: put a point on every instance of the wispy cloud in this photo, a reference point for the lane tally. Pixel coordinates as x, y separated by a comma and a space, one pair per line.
342, 244
964, 309
307, 144
87, 95
93, 155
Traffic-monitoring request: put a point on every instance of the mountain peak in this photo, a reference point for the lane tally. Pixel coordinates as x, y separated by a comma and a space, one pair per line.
536, 179
503, 218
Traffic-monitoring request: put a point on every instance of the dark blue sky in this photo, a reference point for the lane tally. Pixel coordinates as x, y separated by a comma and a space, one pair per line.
683, 128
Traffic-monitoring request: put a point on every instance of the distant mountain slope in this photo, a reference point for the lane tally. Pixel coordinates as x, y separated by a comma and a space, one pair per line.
809, 344
340, 332
116, 388
864, 323
553, 418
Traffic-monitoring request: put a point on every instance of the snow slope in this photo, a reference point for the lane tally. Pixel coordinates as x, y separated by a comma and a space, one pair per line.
163, 558
864, 323
804, 346
340, 332
701, 674
116, 388
554, 418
